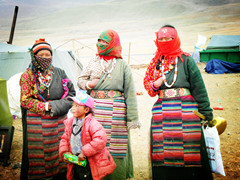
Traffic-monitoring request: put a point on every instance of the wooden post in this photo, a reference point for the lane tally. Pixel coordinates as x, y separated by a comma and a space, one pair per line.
129, 52
13, 25
74, 55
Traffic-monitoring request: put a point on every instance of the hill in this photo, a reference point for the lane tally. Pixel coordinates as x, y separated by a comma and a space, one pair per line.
135, 21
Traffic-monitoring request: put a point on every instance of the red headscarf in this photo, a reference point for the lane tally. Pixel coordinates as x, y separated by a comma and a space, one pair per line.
113, 49
169, 49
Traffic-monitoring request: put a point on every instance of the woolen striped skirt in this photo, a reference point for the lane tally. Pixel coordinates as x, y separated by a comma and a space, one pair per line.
111, 113
43, 136
176, 132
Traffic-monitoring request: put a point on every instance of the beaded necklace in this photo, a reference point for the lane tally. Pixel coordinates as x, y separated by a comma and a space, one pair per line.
44, 81
104, 65
165, 72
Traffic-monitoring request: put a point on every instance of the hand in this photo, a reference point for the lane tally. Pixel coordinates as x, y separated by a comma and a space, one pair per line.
158, 82
64, 159
49, 106
210, 123
93, 83
81, 157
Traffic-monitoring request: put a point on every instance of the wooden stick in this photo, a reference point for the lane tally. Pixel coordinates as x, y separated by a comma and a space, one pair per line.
75, 59
129, 52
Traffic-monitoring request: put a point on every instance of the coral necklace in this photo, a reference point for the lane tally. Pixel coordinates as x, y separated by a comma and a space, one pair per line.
175, 74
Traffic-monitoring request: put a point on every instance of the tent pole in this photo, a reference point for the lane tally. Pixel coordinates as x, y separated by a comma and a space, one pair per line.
129, 52
13, 25
74, 55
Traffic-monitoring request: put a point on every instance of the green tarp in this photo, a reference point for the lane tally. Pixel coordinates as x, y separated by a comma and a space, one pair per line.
6, 118
222, 47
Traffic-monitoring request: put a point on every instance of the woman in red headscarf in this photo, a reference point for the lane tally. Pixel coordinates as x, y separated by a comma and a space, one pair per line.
108, 79
177, 144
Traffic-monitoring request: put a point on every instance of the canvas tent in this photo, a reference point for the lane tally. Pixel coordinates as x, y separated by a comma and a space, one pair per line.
223, 47
15, 59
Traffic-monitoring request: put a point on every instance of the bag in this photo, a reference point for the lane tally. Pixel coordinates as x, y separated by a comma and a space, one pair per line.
213, 149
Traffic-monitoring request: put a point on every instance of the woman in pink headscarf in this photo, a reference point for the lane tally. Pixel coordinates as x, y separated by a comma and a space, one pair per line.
177, 144
108, 79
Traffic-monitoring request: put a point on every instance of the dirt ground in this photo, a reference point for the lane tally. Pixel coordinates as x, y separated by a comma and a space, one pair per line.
223, 90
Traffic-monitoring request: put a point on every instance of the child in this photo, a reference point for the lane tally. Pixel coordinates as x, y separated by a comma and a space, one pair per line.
85, 137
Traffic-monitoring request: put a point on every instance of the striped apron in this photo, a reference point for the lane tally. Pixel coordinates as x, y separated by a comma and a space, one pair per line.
110, 111
175, 130
44, 134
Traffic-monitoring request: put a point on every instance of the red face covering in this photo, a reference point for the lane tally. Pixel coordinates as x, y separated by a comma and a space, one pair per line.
169, 49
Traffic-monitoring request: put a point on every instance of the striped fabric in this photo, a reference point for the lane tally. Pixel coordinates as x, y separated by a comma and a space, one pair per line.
176, 132
44, 133
111, 113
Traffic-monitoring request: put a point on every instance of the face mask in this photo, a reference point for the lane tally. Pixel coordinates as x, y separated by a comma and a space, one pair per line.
44, 63
101, 47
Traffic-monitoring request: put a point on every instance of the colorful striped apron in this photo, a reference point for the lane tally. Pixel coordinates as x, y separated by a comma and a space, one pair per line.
44, 133
110, 111
175, 129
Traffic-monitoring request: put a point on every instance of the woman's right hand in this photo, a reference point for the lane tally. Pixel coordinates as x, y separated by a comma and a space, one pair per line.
158, 82
93, 83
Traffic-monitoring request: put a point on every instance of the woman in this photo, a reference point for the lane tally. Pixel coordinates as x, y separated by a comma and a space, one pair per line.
109, 81
177, 144
44, 107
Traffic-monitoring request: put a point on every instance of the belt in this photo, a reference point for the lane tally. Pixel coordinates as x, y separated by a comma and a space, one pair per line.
104, 94
174, 92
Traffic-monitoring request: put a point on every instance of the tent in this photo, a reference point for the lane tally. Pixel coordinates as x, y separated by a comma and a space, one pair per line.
223, 47
15, 59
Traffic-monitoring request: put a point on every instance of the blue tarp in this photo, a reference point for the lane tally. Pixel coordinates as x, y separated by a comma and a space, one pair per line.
217, 66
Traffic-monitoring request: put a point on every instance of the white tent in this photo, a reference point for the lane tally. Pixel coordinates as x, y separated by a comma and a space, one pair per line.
15, 59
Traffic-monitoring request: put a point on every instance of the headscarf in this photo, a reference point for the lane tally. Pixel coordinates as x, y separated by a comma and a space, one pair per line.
113, 49
166, 50
169, 49
41, 66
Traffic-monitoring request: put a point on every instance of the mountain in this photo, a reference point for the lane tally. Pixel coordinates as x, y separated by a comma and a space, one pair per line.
135, 20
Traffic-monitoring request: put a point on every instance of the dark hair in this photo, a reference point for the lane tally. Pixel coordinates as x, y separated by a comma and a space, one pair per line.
90, 110
168, 25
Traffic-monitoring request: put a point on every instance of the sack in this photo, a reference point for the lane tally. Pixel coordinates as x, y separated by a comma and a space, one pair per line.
213, 149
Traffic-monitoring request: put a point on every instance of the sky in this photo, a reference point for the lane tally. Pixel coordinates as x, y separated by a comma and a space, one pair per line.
135, 20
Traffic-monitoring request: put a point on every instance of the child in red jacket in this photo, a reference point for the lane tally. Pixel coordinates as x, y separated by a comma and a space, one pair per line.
85, 137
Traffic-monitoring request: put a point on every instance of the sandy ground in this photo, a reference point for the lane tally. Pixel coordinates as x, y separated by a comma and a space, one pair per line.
223, 91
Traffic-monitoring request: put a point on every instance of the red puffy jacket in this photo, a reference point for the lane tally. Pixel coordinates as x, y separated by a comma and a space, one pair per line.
94, 141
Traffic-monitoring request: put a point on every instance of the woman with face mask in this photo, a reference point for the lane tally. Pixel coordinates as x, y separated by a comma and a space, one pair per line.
108, 79
44, 107
178, 148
